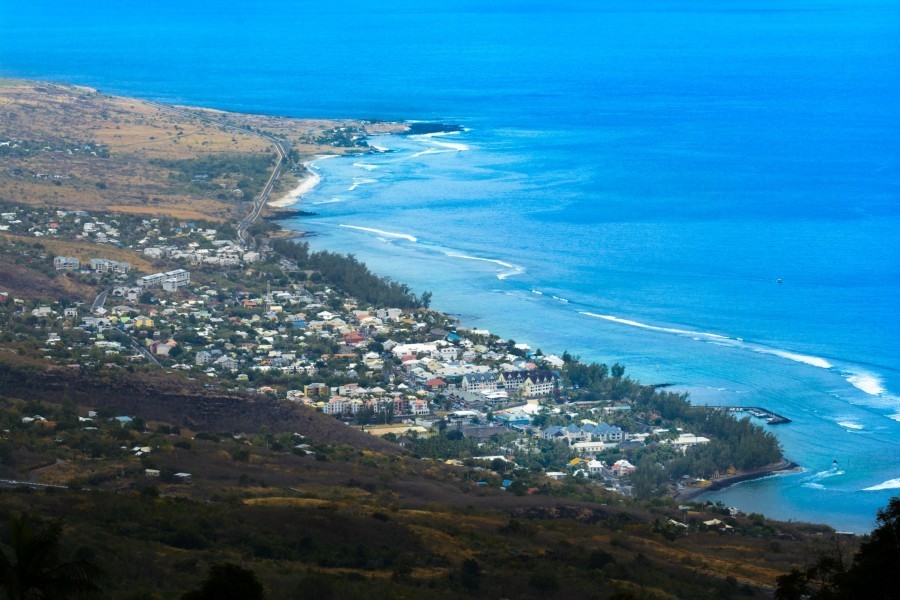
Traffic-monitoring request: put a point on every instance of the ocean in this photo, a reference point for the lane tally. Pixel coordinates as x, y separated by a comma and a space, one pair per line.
707, 192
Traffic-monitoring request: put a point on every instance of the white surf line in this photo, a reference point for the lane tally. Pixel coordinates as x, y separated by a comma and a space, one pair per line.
404, 236
734, 342
514, 269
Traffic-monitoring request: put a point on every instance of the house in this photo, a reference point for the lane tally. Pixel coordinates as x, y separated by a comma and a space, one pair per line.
66, 263
434, 385
622, 467
589, 447
595, 467
389, 314
316, 389
227, 362
447, 353
203, 357
143, 322
553, 433
161, 348
514, 418
686, 440
717, 525
529, 383
102, 265
71, 312
477, 382
604, 432
42, 311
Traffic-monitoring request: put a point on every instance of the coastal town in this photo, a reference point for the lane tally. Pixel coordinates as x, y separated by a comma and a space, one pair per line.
188, 385
198, 304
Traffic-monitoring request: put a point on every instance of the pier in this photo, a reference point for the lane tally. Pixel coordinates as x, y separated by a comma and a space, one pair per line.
772, 418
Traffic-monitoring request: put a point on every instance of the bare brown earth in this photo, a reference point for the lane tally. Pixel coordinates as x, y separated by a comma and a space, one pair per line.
56, 122
178, 401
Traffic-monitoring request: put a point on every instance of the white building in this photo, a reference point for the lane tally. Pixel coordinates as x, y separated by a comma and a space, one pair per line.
66, 263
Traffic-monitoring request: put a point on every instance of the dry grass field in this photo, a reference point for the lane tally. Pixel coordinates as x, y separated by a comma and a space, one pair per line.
74, 147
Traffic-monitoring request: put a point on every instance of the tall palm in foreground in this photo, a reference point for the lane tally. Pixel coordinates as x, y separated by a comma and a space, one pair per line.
31, 567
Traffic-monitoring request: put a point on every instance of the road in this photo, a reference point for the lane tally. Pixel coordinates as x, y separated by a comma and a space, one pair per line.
281, 147
99, 301
144, 351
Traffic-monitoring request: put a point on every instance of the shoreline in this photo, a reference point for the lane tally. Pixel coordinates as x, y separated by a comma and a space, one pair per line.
694, 493
305, 186
684, 495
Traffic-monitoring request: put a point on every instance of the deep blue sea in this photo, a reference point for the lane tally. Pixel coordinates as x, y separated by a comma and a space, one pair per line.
633, 181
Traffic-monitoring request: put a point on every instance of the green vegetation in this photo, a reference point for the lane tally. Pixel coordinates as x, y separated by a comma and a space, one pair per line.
353, 277
31, 566
872, 574
215, 173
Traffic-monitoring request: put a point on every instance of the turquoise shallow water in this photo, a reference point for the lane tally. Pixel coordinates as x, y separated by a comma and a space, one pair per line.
633, 182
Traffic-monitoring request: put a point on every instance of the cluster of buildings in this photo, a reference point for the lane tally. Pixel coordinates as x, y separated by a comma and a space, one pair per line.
170, 281
223, 253
97, 265
311, 336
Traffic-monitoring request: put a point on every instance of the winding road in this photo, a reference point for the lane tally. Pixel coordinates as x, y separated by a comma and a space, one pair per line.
281, 147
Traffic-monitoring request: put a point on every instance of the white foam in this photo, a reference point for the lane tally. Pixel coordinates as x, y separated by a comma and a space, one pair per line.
723, 340
700, 334
379, 148
358, 181
457, 147
366, 166
815, 486
513, 269
537, 292
895, 417
563, 300
305, 186
390, 234
814, 361
850, 425
438, 134
824, 475
866, 382
890, 484
431, 151
332, 201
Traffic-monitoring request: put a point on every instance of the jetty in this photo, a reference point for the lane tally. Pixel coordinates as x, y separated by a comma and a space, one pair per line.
772, 418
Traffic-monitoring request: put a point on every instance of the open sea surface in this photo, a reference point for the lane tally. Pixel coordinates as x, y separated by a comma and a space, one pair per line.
633, 181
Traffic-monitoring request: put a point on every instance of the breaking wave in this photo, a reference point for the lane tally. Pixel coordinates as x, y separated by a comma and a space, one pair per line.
390, 234
890, 484
510, 271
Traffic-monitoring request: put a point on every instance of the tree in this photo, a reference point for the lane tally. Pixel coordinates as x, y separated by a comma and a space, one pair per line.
872, 575
31, 566
470, 574
874, 572
228, 581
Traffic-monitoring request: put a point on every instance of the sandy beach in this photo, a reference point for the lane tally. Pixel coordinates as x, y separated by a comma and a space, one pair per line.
305, 186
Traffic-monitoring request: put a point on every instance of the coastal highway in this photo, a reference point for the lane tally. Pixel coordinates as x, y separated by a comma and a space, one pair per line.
281, 147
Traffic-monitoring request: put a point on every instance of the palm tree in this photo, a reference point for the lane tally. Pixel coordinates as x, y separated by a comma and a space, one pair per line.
31, 567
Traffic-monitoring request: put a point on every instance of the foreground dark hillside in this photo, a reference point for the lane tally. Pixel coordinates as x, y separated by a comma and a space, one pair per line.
318, 509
